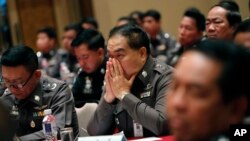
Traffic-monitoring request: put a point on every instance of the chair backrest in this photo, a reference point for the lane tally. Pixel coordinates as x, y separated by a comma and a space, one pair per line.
84, 114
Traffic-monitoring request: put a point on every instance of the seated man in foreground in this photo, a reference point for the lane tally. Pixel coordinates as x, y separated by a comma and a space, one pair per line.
209, 91
28, 94
133, 100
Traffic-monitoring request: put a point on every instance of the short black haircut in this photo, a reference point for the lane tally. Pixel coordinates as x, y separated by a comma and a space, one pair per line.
49, 31
91, 37
138, 13
233, 15
90, 20
195, 14
233, 80
129, 20
153, 13
20, 55
72, 26
136, 37
243, 27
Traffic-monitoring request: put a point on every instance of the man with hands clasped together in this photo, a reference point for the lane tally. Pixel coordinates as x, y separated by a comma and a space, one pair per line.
135, 87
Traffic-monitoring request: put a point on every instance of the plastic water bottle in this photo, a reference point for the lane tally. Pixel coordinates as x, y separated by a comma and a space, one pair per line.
49, 126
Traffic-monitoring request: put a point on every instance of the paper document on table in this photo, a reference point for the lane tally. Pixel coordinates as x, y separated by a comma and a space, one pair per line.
103, 138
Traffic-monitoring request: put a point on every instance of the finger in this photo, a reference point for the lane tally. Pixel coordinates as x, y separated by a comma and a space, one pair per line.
111, 69
115, 66
107, 79
120, 69
106, 75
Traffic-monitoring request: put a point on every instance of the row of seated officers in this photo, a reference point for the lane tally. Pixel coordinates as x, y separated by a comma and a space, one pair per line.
142, 97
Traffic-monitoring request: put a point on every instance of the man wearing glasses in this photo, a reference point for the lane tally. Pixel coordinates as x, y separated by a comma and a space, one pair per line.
28, 93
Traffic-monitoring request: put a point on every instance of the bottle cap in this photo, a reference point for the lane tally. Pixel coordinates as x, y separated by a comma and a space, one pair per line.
47, 111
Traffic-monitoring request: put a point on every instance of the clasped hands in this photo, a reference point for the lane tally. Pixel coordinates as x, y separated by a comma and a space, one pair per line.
116, 84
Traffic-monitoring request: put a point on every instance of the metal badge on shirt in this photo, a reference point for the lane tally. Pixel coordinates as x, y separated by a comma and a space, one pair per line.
32, 124
138, 130
88, 86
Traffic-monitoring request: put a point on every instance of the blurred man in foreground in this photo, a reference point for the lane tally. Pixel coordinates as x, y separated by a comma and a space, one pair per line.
209, 91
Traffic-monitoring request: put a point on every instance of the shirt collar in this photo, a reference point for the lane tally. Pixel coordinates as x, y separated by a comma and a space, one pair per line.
36, 96
145, 73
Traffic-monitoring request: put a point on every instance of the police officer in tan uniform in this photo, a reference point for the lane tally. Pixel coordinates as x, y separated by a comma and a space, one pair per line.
135, 86
28, 93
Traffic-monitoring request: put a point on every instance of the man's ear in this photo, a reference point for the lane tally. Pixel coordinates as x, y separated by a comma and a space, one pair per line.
143, 53
238, 110
38, 74
100, 51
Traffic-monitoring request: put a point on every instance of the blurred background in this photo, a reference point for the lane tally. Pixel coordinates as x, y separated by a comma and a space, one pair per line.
21, 19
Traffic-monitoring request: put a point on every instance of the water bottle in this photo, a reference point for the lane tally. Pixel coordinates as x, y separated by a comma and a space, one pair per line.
49, 126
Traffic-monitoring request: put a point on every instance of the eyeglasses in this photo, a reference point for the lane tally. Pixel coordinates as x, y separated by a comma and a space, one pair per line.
15, 85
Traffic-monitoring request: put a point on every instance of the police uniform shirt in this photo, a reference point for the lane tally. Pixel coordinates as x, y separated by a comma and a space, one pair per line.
28, 113
69, 59
145, 105
50, 63
175, 53
161, 45
89, 87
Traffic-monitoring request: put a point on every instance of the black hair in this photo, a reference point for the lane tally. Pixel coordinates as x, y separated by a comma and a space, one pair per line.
243, 27
233, 15
91, 37
233, 80
72, 26
129, 20
136, 37
20, 55
49, 31
195, 14
153, 13
138, 13
90, 20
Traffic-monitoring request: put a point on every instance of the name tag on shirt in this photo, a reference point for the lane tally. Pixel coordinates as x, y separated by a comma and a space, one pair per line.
138, 130
145, 94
